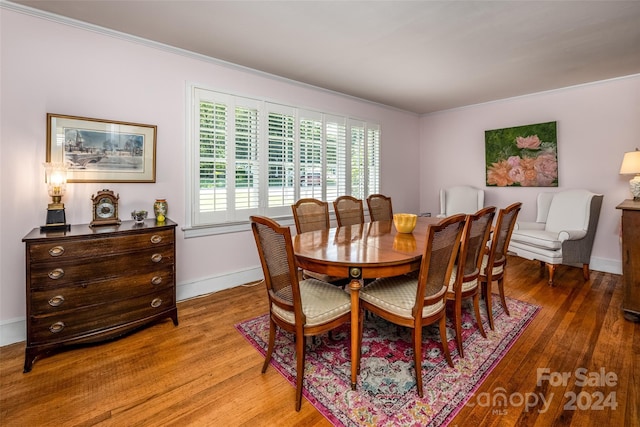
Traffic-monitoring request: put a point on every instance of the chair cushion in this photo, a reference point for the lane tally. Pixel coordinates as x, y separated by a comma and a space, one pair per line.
466, 286
525, 250
495, 271
321, 303
397, 295
540, 238
306, 274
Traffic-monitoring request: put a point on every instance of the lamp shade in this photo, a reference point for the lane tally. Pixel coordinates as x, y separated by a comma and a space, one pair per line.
631, 166
630, 163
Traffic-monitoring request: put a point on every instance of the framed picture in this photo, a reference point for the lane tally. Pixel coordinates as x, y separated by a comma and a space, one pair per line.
98, 150
522, 156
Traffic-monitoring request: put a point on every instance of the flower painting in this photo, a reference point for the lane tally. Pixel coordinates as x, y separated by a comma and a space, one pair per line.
522, 156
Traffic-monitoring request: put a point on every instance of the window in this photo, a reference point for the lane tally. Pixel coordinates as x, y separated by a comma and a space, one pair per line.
253, 157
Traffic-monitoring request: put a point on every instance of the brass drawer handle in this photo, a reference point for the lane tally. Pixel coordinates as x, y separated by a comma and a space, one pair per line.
156, 239
56, 273
157, 302
56, 301
156, 257
56, 251
156, 280
57, 327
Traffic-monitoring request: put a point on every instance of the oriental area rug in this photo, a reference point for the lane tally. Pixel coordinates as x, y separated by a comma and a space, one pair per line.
386, 393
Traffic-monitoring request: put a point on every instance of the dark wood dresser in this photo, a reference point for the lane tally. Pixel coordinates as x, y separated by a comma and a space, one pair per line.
88, 284
631, 258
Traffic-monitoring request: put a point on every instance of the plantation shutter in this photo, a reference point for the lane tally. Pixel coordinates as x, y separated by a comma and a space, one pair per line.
281, 142
335, 149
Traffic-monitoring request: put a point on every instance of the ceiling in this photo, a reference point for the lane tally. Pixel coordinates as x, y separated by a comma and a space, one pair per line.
418, 56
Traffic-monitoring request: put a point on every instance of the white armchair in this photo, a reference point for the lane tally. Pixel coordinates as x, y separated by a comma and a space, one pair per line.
563, 233
461, 199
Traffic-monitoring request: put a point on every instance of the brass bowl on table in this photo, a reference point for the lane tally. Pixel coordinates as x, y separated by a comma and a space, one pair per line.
405, 223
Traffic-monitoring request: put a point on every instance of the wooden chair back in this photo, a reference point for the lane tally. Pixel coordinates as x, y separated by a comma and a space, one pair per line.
474, 242
502, 235
380, 208
443, 244
278, 264
310, 215
348, 210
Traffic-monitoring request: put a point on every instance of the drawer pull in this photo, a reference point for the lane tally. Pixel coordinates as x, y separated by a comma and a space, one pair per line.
56, 301
57, 327
156, 257
157, 302
56, 273
156, 239
156, 280
56, 251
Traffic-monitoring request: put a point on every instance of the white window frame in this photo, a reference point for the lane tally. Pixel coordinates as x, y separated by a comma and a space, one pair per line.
199, 223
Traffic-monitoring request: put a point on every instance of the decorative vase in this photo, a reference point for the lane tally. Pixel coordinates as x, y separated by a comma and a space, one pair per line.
160, 208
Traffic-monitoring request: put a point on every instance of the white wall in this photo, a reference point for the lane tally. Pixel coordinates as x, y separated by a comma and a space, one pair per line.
53, 67
596, 124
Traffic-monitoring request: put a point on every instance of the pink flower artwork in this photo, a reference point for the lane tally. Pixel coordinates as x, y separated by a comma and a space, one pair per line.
524, 156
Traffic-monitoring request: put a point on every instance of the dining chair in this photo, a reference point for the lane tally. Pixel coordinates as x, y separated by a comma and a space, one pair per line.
465, 278
348, 210
414, 301
380, 208
310, 215
494, 260
305, 308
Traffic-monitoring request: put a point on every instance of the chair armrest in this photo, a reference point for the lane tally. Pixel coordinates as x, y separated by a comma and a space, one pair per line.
524, 225
571, 235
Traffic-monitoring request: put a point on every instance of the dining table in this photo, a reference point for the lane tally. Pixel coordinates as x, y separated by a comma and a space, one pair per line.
370, 250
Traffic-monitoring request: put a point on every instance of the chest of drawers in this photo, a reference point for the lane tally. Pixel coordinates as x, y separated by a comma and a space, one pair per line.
631, 258
88, 284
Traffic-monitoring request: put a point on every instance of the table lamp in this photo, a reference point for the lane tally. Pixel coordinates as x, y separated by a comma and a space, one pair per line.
56, 178
631, 165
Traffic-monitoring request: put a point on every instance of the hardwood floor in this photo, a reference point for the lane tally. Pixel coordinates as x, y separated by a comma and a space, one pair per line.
203, 372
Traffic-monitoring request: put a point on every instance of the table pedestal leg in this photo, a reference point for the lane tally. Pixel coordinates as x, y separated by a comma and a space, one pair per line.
354, 287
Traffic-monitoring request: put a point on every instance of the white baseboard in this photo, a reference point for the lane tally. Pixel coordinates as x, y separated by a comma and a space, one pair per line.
607, 265
14, 330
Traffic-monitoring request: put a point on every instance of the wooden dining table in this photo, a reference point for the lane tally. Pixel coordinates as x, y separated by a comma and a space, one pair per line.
362, 251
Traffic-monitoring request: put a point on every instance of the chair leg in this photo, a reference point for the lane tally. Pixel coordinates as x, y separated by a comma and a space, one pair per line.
585, 271
443, 338
476, 306
417, 356
300, 353
272, 340
502, 297
486, 291
457, 320
552, 270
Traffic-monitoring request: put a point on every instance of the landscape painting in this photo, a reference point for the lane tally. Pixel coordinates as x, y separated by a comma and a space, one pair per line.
97, 150
522, 156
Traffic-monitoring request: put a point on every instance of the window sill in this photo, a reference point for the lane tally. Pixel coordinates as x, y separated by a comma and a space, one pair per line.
236, 227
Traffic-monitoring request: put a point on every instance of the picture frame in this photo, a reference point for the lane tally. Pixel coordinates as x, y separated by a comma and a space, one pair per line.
97, 150
522, 156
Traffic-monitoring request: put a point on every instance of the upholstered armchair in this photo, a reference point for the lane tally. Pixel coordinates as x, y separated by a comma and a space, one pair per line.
461, 199
563, 232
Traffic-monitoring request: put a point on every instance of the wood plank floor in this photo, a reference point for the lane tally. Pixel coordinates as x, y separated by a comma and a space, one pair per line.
204, 373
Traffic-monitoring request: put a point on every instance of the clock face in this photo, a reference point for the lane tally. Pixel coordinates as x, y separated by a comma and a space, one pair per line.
105, 208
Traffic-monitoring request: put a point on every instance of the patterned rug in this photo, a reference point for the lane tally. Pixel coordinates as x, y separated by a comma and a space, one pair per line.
386, 394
